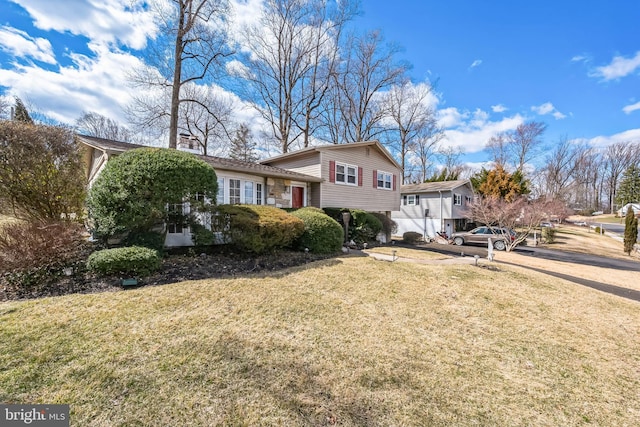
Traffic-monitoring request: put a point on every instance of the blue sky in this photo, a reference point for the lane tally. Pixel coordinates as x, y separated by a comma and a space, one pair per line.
573, 65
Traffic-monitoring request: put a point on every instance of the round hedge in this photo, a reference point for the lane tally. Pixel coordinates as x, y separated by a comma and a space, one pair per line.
132, 192
257, 229
322, 234
131, 260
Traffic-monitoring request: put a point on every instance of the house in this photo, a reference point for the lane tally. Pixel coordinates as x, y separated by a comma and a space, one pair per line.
293, 180
238, 182
360, 175
623, 211
434, 207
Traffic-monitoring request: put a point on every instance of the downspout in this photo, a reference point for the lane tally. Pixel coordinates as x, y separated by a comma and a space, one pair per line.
441, 218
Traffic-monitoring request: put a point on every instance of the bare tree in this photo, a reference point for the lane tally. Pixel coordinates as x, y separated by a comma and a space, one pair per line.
615, 160
520, 214
369, 67
94, 124
560, 167
191, 45
207, 116
414, 126
292, 54
525, 143
426, 146
497, 146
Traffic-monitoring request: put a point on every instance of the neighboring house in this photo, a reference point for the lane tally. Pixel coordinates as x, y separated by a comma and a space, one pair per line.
623, 211
238, 182
434, 207
360, 175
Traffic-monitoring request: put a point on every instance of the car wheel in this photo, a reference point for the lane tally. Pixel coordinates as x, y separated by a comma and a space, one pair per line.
499, 245
458, 241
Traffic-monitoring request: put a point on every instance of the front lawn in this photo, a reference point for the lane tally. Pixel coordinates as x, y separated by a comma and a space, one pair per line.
345, 341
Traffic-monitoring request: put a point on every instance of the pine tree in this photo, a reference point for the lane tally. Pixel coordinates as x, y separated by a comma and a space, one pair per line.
629, 190
630, 230
21, 114
242, 145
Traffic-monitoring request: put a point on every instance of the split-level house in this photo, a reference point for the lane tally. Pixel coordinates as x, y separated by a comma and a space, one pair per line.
360, 175
434, 207
277, 182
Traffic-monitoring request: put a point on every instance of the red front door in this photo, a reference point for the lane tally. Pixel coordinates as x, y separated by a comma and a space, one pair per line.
298, 197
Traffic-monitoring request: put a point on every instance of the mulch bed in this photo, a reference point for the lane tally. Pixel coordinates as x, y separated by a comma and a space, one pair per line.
176, 267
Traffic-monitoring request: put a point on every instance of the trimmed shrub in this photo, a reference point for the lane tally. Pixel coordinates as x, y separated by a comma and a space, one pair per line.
366, 226
412, 237
363, 226
389, 226
257, 229
133, 191
322, 234
34, 254
134, 261
148, 239
201, 236
549, 234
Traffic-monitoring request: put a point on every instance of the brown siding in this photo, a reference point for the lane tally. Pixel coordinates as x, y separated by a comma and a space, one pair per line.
308, 164
366, 197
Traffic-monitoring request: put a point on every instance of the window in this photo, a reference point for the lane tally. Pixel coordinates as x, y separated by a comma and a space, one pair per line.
457, 199
468, 199
346, 174
385, 180
220, 198
248, 192
234, 191
258, 194
175, 213
411, 200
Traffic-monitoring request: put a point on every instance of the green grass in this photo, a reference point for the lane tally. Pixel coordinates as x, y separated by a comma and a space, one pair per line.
349, 341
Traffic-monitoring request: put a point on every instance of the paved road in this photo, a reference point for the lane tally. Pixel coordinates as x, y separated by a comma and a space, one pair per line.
612, 228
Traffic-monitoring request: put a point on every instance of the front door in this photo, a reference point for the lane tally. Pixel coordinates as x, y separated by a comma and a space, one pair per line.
297, 197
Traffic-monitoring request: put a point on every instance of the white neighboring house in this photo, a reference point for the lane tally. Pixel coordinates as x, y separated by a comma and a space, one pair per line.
239, 182
623, 211
434, 207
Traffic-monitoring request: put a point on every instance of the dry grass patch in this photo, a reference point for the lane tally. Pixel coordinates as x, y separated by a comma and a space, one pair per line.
352, 341
587, 241
407, 253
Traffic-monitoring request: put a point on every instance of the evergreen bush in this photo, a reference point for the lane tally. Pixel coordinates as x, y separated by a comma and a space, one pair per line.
630, 230
549, 234
136, 261
257, 229
322, 234
363, 226
412, 237
132, 193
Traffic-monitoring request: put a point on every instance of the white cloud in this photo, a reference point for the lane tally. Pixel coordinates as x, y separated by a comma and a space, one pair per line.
604, 141
499, 108
580, 58
103, 21
619, 67
548, 108
20, 44
450, 117
471, 131
476, 63
631, 108
93, 84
